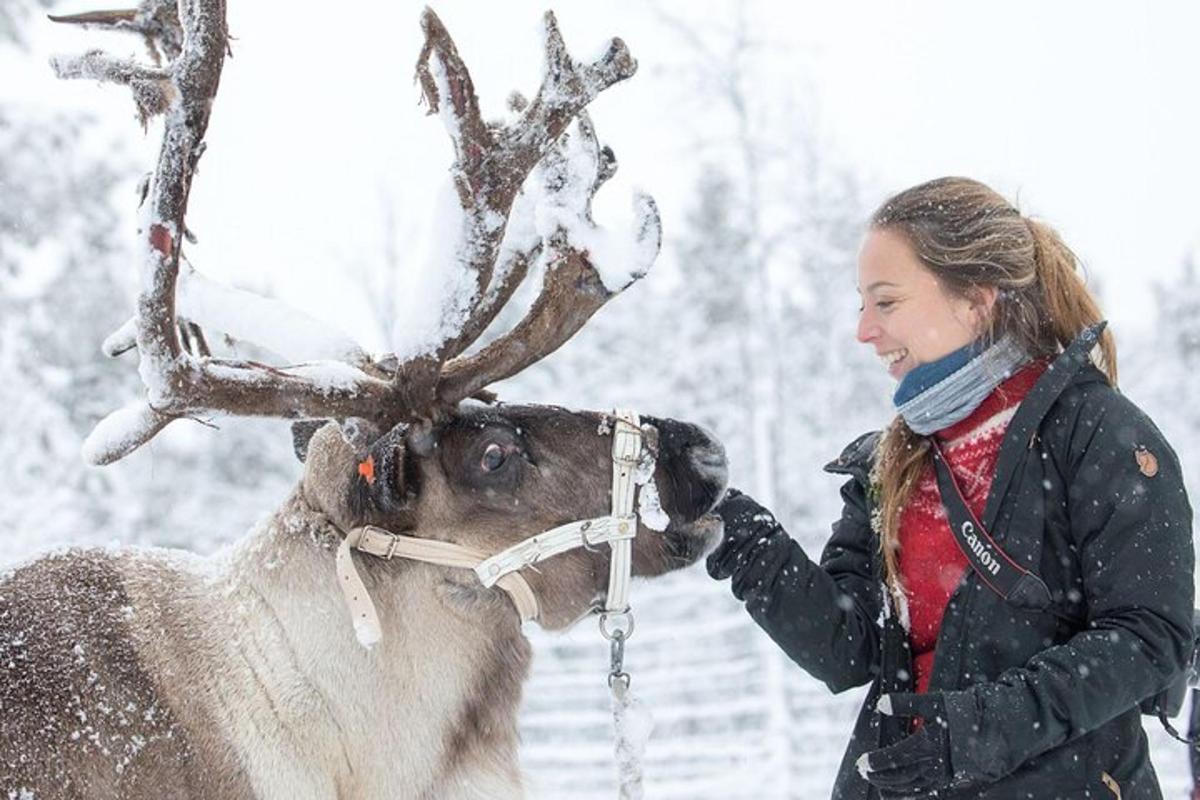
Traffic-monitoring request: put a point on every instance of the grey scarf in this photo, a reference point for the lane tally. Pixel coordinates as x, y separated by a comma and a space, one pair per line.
952, 398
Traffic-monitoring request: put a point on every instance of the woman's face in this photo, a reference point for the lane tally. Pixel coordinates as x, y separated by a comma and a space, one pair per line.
906, 315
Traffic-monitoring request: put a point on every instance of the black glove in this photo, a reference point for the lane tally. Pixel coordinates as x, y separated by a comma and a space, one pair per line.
748, 528
919, 764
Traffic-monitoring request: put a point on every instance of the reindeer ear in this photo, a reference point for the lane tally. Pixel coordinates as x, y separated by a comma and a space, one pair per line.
381, 480
302, 433
361, 434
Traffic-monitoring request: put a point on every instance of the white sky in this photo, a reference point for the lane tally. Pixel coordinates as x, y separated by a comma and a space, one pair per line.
1085, 111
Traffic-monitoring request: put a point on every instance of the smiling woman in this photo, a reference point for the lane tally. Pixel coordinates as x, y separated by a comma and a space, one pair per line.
1012, 571
954, 246
907, 315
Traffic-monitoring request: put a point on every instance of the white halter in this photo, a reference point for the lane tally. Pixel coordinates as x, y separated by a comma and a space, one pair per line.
503, 568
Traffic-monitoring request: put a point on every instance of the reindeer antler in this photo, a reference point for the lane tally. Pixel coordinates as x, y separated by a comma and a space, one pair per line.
496, 249
573, 289
156, 21
491, 166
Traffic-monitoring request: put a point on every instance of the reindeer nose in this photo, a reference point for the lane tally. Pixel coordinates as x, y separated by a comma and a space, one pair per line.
683, 440
696, 462
709, 456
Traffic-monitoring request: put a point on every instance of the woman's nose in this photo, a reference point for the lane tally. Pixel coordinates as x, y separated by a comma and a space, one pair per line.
868, 329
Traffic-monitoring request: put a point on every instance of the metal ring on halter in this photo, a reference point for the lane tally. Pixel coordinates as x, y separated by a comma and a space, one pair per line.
583, 540
620, 617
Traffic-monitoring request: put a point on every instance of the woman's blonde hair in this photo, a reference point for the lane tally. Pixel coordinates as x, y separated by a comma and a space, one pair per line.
969, 237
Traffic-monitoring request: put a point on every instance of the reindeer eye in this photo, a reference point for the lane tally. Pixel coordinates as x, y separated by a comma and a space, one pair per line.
494, 457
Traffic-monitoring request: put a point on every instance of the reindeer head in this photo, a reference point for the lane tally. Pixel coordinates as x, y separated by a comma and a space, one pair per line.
492, 476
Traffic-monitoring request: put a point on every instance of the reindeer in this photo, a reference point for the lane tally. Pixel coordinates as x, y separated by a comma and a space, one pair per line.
365, 641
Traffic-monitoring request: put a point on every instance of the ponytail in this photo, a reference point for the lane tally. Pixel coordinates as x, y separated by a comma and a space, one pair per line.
1068, 303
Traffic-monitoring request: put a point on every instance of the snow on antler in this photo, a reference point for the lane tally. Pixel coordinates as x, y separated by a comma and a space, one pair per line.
151, 85
578, 167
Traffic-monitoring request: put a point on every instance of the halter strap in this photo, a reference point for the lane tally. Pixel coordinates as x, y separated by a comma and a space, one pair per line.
627, 449
551, 543
386, 545
502, 569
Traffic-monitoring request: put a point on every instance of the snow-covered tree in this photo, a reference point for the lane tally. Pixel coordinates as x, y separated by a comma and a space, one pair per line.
1162, 372
14, 17
57, 294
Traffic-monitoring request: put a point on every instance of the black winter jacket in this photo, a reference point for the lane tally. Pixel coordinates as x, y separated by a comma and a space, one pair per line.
1042, 703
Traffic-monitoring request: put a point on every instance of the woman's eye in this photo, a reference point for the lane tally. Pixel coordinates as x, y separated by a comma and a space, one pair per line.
884, 305
494, 457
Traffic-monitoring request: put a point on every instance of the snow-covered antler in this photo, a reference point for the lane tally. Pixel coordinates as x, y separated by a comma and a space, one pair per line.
586, 266
492, 163
156, 21
180, 384
491, 166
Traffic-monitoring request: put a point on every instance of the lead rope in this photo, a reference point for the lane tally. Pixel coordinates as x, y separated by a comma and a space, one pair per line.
632, 721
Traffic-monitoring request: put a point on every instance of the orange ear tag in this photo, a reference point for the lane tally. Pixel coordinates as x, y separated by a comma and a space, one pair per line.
367, 469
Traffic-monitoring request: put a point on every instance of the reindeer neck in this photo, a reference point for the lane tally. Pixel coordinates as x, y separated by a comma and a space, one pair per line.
439, 694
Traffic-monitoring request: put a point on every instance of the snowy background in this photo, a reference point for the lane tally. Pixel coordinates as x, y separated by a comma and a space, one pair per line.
766, 136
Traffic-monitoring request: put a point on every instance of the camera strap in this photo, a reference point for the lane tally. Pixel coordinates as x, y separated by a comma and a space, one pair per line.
1000, 573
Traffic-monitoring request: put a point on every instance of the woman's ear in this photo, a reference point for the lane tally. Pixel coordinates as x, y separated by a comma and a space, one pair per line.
983, 303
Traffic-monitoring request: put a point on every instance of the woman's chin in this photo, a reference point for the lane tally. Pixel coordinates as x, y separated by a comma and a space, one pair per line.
902, 367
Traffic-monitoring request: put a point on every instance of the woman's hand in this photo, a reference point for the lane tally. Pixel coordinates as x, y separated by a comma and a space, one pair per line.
919, 764
748, 527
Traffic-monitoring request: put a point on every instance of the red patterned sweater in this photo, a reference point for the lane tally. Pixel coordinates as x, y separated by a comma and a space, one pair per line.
930, 563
